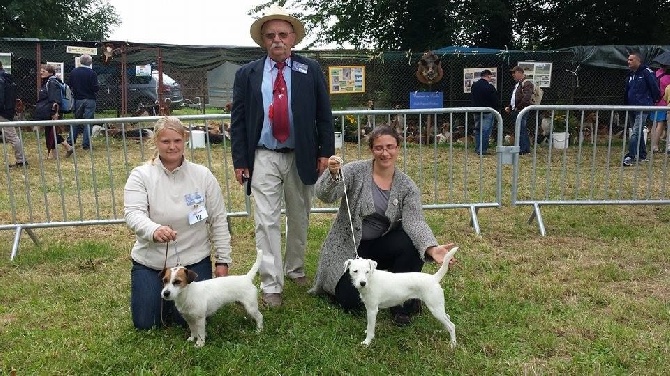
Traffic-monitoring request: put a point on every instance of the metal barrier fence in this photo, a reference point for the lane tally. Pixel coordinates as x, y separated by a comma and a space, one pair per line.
585, 167
87, 188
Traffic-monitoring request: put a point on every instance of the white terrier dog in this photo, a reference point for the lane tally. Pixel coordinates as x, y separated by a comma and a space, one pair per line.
198, 300
382, 289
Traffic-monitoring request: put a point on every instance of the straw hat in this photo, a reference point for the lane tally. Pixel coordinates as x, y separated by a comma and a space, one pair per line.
275, 12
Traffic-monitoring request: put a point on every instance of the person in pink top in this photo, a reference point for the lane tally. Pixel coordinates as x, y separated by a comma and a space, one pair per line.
660, 118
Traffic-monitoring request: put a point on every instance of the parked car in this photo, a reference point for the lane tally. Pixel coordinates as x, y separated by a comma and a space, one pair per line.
142, 91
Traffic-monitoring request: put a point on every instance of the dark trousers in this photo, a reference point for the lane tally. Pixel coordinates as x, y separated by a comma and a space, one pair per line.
394, 252
146, 304
524, 138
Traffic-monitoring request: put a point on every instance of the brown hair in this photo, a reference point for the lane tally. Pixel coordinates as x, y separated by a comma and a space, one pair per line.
50, 68
382, 130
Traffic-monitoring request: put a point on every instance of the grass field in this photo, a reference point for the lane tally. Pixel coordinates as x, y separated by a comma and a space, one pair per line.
592, 297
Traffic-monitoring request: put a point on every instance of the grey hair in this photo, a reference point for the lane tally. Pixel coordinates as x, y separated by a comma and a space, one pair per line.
86, 60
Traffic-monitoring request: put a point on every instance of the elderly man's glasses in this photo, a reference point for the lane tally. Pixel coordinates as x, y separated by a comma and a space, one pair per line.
379, 149
282, 35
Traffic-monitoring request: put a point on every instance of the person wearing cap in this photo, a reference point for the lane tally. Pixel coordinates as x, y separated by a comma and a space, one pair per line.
281, 138
521, 95
484, 94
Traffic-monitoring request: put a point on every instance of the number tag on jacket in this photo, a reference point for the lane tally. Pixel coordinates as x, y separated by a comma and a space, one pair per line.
197, 215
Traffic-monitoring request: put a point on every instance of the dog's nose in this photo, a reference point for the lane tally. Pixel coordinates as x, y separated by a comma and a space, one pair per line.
362, 283
166, 293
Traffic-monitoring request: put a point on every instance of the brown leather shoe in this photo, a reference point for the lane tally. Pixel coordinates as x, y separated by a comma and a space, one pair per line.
301, 281
272, 299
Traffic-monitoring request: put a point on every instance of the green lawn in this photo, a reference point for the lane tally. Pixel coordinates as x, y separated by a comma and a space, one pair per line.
591, 298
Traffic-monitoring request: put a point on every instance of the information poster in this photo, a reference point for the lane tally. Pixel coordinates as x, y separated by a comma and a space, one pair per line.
60, 68
537, 71
143, 70
6, 59
346, 79
471, 75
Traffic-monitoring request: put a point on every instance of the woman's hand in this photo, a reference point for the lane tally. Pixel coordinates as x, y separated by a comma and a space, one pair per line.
334, 165
165, 234
221, 270
437, 253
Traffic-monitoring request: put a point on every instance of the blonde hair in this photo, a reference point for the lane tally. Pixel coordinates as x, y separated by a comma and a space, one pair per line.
166, 122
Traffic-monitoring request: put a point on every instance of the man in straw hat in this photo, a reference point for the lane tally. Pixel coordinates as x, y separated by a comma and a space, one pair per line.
281, 138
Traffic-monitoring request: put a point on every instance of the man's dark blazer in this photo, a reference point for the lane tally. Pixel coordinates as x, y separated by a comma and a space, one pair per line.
312, 117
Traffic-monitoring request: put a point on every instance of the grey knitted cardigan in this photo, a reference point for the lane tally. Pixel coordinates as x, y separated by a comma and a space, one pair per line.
404, 210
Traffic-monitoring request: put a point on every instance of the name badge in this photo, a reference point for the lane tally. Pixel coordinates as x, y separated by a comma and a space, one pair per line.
193, 199
299, 67
197, 215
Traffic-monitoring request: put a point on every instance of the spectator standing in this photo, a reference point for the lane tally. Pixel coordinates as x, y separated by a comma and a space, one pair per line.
176, 210
660, 118
7, 112
521, 96
281, 138
84, 84
48, 108
641, 90
484, 94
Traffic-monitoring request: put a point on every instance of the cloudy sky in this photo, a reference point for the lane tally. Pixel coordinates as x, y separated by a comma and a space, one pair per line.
198, 22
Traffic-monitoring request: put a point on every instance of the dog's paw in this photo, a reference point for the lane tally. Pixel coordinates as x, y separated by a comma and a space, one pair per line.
190, 339
452, 344
200, 343
366, 342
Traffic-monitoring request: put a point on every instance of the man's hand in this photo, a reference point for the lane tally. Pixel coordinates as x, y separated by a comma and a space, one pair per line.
321, 164
241, 175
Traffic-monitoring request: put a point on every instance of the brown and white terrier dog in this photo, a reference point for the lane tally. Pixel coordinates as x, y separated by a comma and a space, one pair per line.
196, 301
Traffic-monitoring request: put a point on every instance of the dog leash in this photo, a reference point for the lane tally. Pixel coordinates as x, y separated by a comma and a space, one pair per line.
167, 248
346, 200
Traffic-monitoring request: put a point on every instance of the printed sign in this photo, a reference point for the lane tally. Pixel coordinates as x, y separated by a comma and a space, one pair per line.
81, 50
6, 59
426, 99
346, 79
60, 69
143, 70
471, 75
537, 71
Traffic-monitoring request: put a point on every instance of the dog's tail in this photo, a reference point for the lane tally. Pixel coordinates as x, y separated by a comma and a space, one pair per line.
254, 268
445, 264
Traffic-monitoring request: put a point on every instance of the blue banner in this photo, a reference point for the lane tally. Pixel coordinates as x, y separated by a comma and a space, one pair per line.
426, 99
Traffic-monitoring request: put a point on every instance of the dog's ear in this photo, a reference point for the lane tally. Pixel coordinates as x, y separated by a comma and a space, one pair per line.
373, 265
162, 273
191, 275
346, 265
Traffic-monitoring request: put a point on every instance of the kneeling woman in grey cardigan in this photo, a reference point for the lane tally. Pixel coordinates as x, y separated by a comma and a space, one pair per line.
386, 218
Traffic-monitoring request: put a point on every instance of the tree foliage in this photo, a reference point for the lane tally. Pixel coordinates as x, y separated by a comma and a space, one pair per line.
88, 20
513, 24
